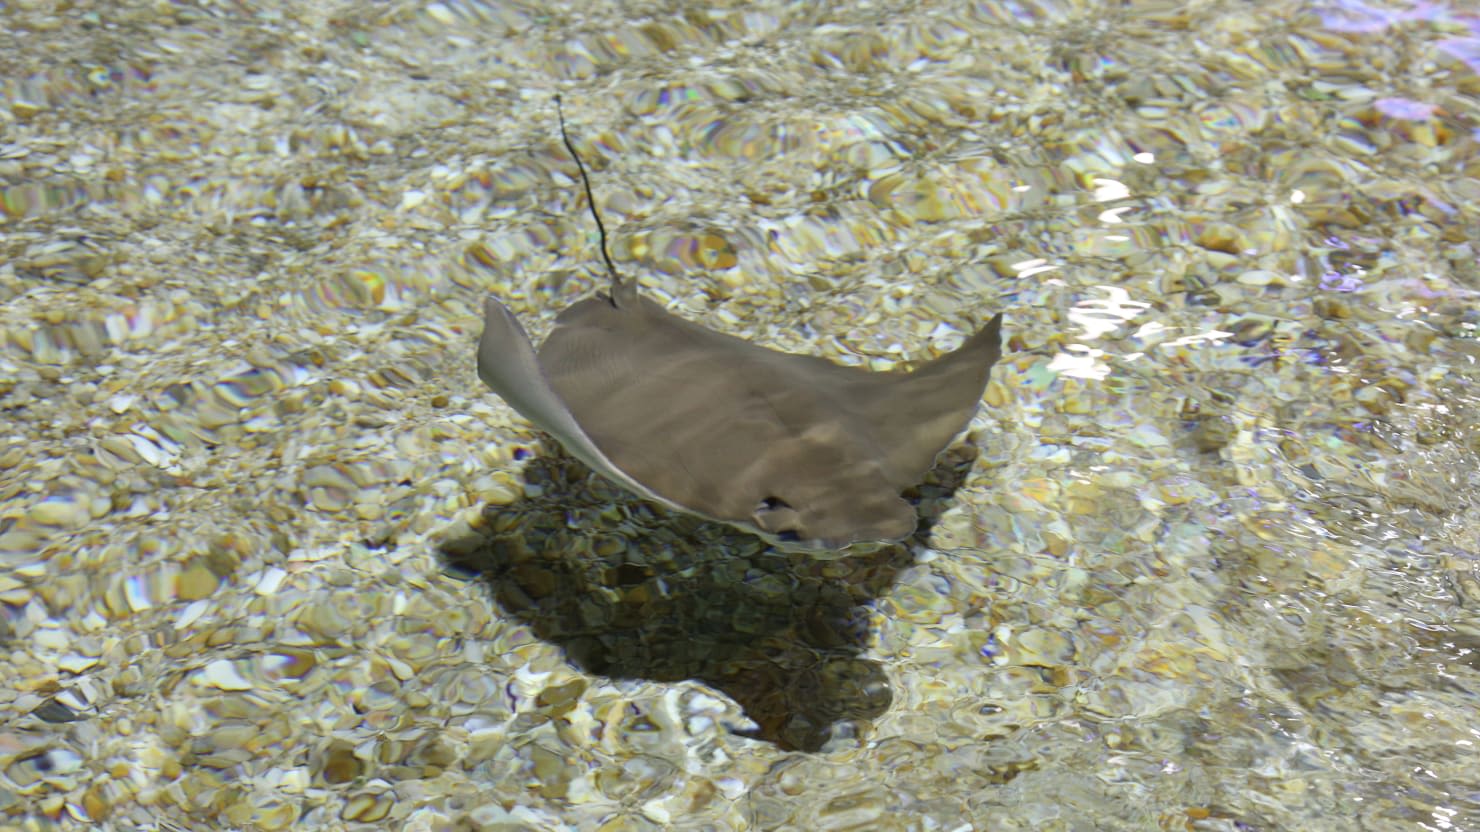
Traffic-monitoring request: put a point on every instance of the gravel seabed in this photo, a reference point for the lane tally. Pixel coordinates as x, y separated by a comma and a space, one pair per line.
271, 557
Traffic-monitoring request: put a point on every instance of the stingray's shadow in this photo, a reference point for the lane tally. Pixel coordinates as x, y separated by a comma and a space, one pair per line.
629, 590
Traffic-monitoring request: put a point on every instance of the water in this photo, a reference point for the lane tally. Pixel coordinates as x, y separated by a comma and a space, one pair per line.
1205, 560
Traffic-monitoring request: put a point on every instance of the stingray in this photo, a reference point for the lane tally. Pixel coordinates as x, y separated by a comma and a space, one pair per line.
804, 452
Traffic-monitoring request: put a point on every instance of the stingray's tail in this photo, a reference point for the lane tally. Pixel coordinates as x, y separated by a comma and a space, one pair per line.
621, 292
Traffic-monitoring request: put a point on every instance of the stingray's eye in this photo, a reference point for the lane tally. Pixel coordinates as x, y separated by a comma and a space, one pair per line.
788, 536
774, 516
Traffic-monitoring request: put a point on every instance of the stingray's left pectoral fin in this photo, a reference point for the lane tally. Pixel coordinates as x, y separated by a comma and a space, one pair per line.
915, 415
507, 363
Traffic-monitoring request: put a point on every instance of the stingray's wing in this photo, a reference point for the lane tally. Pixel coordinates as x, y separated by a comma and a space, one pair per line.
660, 401
914, 416
508, 365
713, 422
717, 424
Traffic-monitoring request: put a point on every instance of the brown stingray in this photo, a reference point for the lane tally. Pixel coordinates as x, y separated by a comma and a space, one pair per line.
793, 447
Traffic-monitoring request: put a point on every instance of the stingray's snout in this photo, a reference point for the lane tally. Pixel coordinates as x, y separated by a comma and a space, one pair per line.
888, 523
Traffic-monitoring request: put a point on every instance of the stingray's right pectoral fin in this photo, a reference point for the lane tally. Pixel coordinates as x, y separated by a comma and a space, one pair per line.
508, 365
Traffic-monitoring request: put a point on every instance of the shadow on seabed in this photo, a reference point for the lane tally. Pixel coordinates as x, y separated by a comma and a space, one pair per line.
630, 590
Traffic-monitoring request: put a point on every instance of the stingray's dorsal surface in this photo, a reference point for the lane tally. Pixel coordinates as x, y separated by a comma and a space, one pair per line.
795, 447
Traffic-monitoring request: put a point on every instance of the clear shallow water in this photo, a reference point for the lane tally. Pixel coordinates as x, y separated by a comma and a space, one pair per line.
1212, 565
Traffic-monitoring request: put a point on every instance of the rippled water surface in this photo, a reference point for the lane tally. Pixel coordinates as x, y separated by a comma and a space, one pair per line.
271, 557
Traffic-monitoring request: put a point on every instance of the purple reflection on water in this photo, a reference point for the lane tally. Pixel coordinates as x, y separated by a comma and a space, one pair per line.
1405, 108
1464, 50
1359, 19
1312, 356
991, 648
1338, 282
1355, 16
